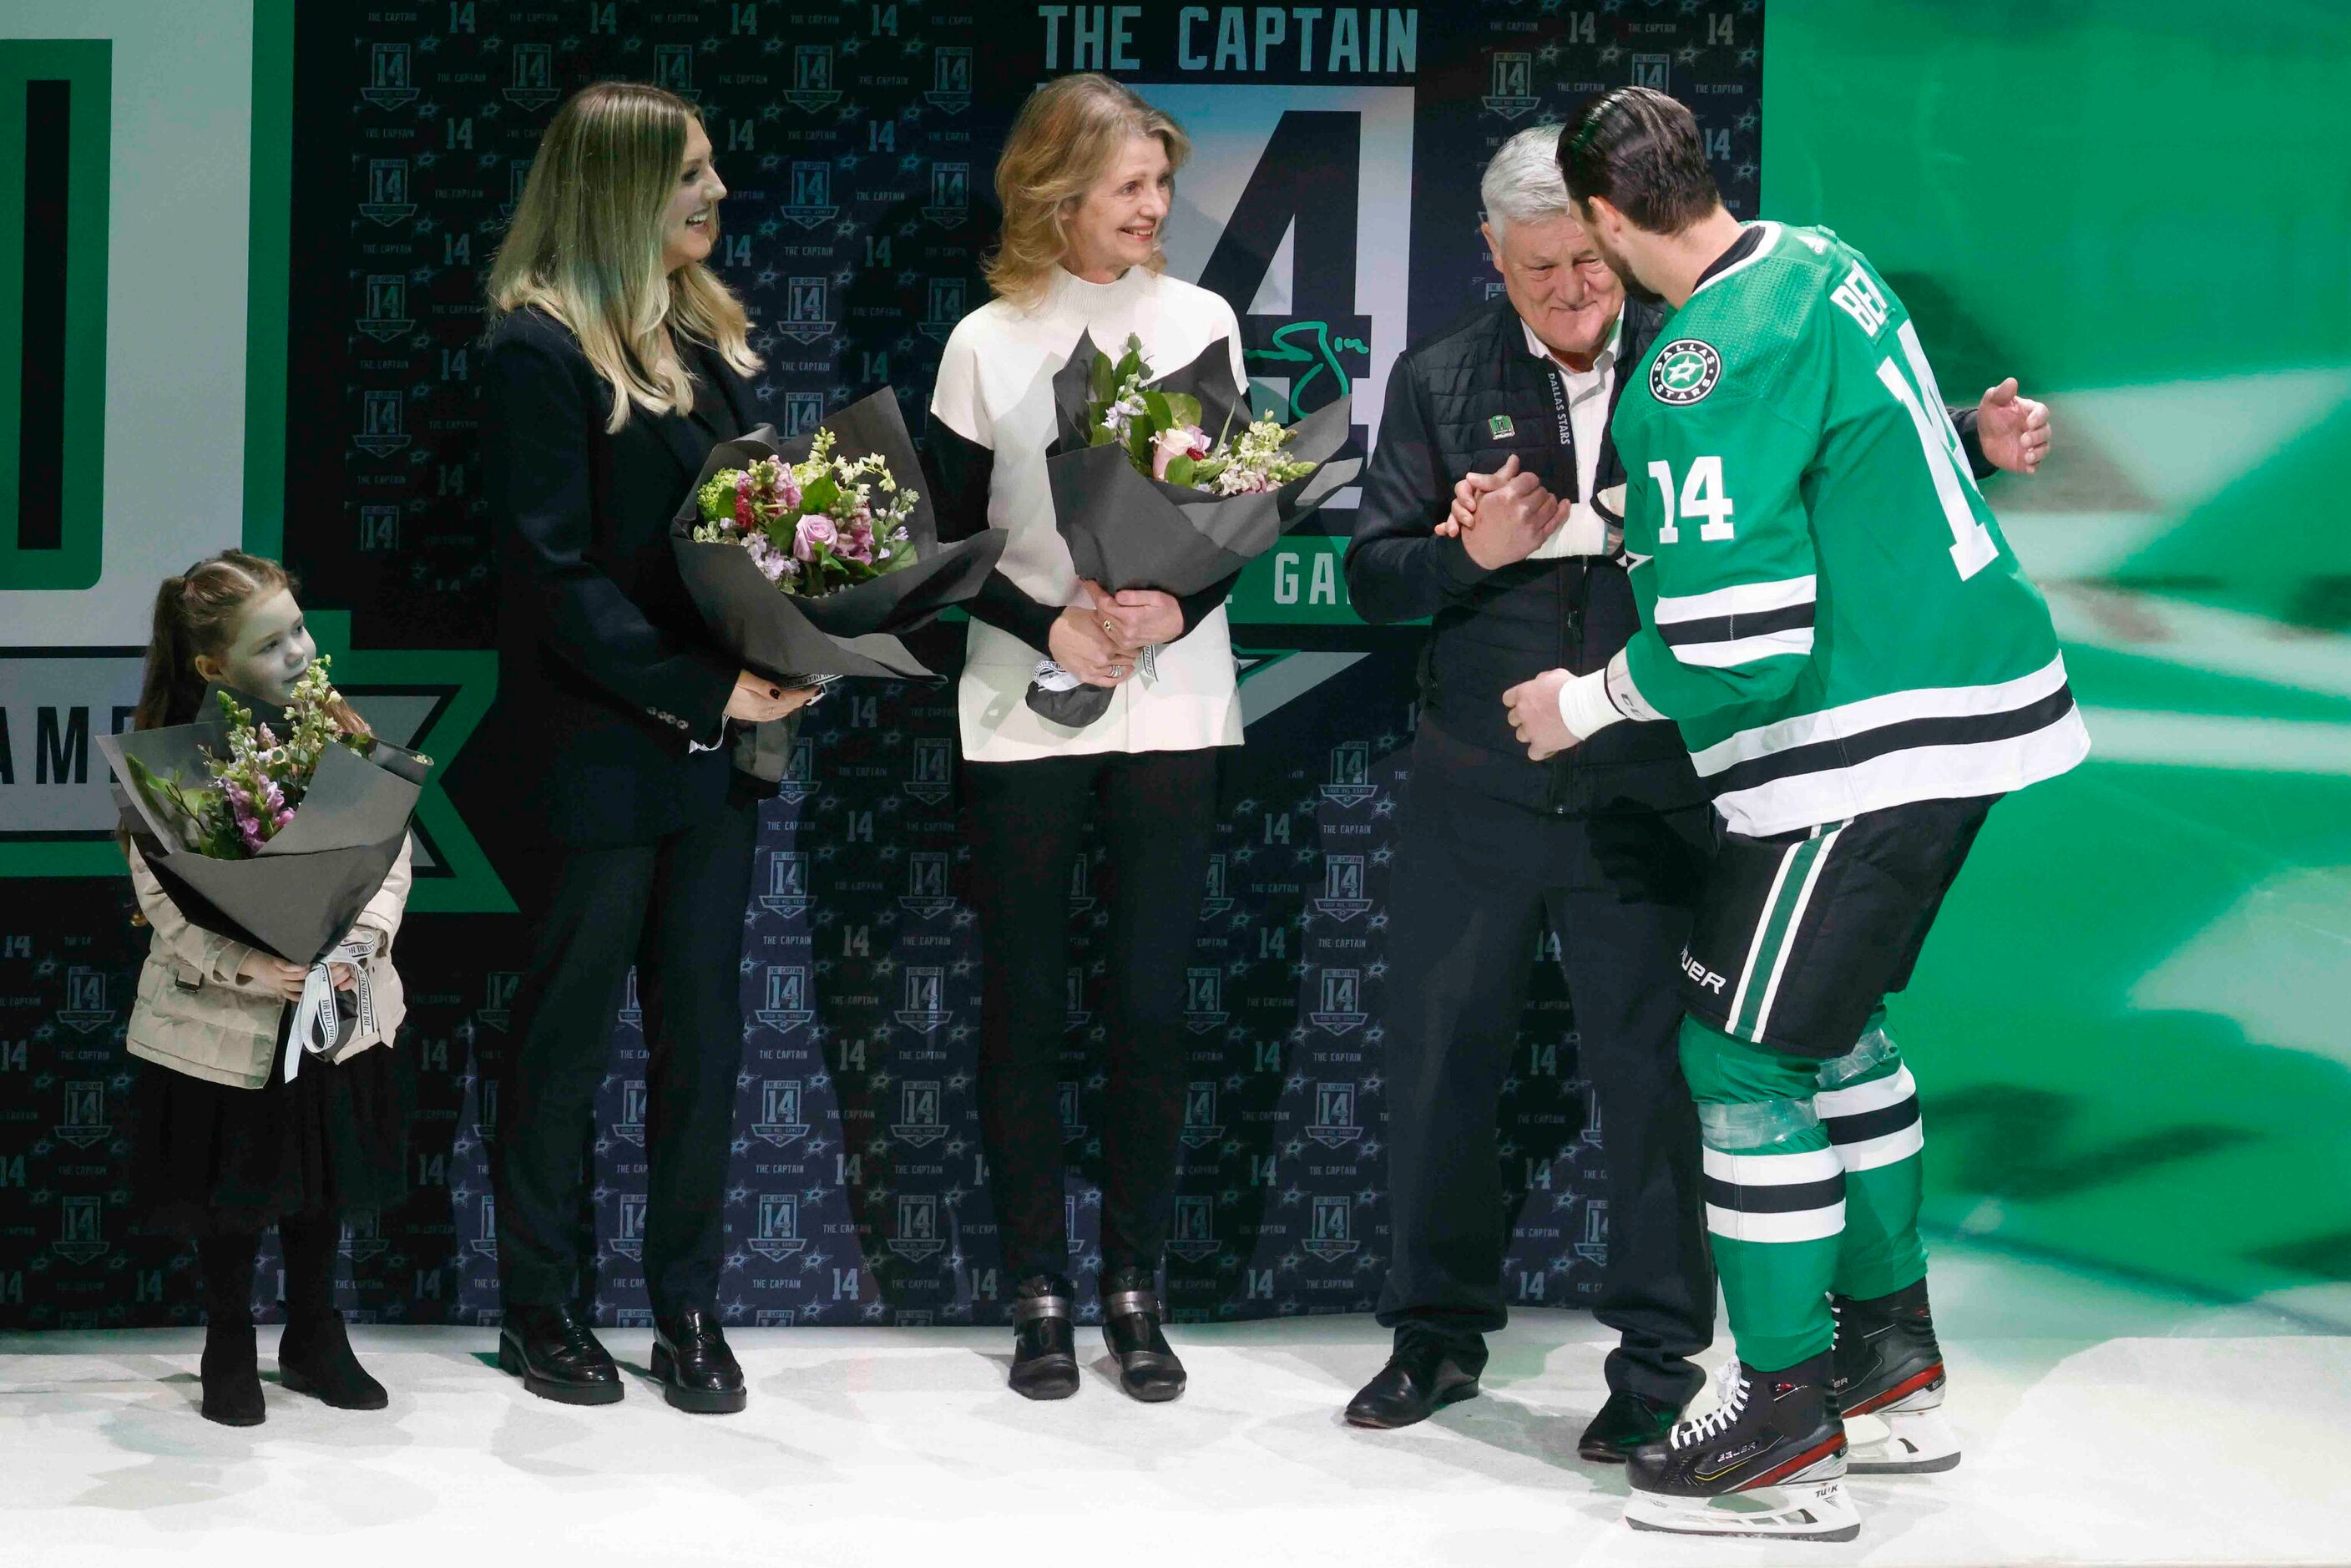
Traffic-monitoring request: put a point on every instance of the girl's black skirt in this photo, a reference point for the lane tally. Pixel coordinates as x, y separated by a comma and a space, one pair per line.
213, 1159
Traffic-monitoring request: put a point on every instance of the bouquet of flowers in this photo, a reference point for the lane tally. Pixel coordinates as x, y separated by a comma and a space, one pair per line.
294, 830
1145, 499
811, 525
258, 786
1161, 433
807, 557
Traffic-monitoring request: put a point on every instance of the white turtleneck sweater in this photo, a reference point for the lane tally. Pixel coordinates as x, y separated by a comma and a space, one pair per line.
995, 391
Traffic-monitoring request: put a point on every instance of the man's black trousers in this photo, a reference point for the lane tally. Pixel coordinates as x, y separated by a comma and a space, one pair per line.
1158, 810
674, 909
1477, 880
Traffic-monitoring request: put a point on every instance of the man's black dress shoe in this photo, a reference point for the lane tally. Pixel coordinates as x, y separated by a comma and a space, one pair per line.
556, 1356
1044, 1339
1623, 1424
696, 1370
1147, 1367
1424, 1374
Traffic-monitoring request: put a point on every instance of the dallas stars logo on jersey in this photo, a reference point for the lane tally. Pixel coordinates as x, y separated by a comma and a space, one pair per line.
1789, 450
1684, 371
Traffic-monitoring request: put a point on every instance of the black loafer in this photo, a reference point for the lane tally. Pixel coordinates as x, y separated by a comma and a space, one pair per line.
696, 1370
1425, 1374
1624, 1423
1044, 1340
1147, 1367
556, 1356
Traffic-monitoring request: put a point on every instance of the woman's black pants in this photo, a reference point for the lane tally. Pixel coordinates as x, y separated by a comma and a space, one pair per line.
1157, 810
674, 909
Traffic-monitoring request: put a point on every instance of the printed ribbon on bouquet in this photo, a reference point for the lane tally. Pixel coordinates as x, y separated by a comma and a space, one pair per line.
1050, 675
318, 1023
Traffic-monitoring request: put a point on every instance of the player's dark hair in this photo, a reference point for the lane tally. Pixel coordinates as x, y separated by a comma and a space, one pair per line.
1641, 151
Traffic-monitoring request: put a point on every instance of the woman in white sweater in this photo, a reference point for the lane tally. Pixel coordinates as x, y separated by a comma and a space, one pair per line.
1085, 182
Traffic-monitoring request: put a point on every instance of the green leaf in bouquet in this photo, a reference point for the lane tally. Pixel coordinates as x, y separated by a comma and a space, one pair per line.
1101, 379
1131, 362
1138, 444
1161, 416
1101, 434
821, 494
1180, 470
1183, 409
187, 811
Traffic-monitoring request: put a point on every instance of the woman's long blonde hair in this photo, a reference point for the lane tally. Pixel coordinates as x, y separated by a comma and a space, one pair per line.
1067, 135
586, 247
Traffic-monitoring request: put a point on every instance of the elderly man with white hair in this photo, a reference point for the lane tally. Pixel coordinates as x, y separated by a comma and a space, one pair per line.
1479, 514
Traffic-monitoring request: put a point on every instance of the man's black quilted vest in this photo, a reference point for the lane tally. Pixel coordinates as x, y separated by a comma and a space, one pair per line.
1536, 615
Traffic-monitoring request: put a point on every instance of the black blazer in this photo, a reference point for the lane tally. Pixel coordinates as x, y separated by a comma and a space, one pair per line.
605, 670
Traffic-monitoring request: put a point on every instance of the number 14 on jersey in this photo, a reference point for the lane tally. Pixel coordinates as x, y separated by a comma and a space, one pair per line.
1702, 496
1701, 493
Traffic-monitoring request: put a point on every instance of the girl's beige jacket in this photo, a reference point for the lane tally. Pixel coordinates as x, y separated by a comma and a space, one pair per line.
194, 1016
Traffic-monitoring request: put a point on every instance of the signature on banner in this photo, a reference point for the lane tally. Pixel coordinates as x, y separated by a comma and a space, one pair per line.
1322, 356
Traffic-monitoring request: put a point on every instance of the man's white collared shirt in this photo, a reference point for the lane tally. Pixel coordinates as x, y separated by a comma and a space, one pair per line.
1584, 532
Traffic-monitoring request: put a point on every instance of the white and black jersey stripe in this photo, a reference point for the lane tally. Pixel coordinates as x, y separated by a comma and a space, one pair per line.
1774, 1197
1938, 743
1739, 624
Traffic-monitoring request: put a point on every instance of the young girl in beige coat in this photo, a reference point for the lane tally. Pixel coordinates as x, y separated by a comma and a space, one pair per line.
226, 1147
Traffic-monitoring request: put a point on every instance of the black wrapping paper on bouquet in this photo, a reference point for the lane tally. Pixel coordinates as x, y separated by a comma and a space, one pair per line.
301, 894
852, 631
1127, 530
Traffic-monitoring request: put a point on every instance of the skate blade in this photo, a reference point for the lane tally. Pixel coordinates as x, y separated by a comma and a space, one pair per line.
1900, 1443
1811, 1510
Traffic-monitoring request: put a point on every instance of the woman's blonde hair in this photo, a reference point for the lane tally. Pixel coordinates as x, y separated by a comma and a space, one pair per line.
586, 247
1068, 134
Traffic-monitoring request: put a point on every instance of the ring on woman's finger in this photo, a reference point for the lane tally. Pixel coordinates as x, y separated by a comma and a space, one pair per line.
1109, 629
1117, 670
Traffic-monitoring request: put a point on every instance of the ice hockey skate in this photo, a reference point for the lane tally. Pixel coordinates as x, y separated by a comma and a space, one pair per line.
1768, 1460
1890, 1371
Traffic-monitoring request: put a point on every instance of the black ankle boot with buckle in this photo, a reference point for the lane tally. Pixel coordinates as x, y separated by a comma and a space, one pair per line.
1044, 1338
1147, 1367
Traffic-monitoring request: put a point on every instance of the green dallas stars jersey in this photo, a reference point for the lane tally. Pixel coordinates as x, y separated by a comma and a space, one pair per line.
1828, 609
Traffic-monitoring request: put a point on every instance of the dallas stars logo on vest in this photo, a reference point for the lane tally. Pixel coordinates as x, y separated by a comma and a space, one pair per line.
1684, 371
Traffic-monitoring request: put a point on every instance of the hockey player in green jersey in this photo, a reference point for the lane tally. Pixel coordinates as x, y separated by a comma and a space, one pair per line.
1859, 668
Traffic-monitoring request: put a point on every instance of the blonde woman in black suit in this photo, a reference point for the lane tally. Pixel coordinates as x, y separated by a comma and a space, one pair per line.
615, 361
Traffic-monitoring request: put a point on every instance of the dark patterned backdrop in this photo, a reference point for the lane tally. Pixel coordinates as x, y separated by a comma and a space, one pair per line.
858, 141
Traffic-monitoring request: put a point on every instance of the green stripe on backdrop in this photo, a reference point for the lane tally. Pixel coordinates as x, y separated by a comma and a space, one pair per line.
268, 287
86, 65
